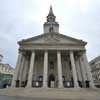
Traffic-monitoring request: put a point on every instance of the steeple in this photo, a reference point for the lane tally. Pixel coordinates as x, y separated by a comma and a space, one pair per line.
51, 17
50, 12
51, 25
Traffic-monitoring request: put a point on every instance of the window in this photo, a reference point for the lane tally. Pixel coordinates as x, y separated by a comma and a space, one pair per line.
51, 65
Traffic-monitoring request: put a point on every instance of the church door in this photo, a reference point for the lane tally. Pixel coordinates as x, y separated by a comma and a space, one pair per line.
51, 81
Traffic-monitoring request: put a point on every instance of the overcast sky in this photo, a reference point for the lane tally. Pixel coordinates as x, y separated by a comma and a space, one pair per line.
20, 19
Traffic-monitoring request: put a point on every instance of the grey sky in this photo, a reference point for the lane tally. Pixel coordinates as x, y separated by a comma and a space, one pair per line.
21, 19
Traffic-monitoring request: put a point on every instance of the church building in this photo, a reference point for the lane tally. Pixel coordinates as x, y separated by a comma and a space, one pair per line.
52, 60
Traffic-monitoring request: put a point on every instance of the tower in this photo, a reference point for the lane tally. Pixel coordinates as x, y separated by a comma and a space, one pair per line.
51, 25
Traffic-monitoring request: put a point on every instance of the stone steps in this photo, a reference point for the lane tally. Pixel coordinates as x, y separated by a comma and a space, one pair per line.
52, 93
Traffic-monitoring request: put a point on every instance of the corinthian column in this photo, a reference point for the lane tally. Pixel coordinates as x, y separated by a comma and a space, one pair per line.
74, 70
83, 71
79, 75
21, 70
30, 74
88, 70
25, 69
45, 73
17, 69
60, 81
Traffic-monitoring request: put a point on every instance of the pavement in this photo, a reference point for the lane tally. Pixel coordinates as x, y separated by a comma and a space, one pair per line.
49, 94
26, 98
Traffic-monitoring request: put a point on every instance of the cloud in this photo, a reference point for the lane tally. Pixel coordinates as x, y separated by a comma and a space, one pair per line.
21, 19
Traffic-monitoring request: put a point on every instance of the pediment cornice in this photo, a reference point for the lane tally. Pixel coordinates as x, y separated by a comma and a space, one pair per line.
52, 38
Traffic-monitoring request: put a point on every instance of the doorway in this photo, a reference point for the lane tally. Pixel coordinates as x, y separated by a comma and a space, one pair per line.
51, 81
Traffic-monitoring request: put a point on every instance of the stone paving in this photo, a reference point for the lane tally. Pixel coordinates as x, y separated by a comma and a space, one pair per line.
25, 98
54, 94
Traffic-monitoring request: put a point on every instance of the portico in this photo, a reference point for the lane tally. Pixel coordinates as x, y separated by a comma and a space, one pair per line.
52, 60
50, 68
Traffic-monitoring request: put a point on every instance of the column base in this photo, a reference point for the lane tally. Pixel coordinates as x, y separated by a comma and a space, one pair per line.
45, 87
61, 86
92, 86
76, 87
13, 85
28, 87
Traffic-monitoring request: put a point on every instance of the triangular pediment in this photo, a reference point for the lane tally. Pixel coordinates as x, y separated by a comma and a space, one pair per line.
52, 38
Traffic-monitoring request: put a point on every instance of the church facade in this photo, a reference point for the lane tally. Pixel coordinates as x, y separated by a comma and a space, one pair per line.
52, 60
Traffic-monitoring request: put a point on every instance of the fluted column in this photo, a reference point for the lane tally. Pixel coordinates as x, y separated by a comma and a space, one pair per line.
60, 81
21, 70
79, 74
25, 69
17, 69
84, 78
45, 72
30, 74
74, 70
88, 69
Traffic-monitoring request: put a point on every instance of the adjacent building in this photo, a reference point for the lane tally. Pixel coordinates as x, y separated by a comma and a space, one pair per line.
52, 60
6, 73
95, 69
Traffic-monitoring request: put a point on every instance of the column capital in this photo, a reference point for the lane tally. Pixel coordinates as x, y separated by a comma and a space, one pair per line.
71, 51
32, 52
19, 51
46, 51
22, 52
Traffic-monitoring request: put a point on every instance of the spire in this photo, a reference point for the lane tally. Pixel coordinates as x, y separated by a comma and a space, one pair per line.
50, 12
51, 25
51, 17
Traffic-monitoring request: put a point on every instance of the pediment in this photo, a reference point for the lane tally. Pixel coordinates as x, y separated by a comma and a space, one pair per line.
52, 38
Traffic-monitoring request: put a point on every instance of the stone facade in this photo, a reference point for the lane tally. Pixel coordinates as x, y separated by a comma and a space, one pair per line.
6, 75
95, 69
6, 69
52, 60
